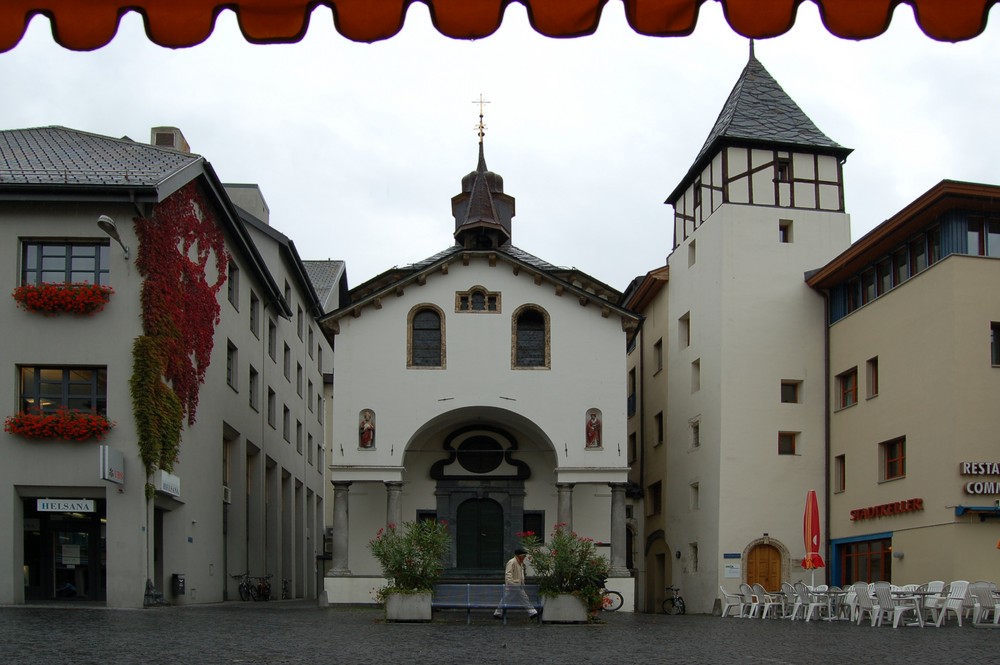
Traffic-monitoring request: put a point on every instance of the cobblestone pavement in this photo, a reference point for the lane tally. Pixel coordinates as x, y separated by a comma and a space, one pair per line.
300, 632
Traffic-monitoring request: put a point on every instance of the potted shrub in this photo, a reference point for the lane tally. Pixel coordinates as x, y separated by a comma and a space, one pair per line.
411, 557
570, 574
70, 298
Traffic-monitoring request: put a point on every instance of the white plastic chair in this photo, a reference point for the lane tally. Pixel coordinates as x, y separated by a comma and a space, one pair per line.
984, 602
865, 602
807, 602
766, 600
750, 602
788, 596
953, 603
730, 601
933, 601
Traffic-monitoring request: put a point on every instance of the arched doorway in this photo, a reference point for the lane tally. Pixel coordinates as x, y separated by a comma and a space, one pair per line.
479, 535
763, 563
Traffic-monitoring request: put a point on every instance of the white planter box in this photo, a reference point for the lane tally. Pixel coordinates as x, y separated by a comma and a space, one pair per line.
408, 607
564, 608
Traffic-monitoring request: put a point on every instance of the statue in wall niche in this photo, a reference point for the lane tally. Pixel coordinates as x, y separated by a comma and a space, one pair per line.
366, 430
594, 428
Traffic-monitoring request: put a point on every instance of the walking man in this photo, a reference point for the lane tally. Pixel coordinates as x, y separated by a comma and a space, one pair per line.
513, 592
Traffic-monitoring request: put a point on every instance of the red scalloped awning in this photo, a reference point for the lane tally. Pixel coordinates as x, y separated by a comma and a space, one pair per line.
85, 25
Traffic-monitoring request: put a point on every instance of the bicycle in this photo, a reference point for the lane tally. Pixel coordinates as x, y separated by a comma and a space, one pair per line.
247, 587
264, 587
611, 601
673, 604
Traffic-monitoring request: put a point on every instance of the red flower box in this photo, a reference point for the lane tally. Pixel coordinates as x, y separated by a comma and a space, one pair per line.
61, 424
78, 298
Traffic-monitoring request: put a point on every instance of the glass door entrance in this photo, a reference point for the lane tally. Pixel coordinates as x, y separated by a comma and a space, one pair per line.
64, 554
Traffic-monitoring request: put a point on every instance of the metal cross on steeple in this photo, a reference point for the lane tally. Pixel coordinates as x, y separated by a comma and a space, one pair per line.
481, 128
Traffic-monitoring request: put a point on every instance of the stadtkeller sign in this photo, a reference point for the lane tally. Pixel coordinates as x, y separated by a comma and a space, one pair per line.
66, 505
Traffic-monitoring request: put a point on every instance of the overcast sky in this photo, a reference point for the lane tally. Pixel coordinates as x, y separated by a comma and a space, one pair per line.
359, 148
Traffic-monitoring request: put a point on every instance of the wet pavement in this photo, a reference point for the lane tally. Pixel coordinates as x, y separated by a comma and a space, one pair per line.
301, 632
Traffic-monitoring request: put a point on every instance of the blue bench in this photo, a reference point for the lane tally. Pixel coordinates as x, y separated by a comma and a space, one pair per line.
470, 597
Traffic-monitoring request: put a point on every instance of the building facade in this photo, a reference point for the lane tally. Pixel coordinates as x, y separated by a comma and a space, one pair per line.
128, 519
914, 378
733, 396
482, 386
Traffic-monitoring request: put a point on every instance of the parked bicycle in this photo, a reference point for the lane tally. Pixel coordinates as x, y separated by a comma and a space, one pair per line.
264, 587
247, 586
611, 601
673, 604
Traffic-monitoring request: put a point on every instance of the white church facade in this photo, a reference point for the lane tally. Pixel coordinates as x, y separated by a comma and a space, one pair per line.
484, 387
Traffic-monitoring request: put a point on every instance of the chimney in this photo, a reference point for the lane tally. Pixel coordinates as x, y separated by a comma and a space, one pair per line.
168, 137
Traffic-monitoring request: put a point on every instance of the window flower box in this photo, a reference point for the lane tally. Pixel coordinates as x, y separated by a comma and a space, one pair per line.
75, 298
61, 424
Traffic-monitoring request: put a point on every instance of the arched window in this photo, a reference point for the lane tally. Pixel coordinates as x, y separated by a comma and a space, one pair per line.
426, 338
531, 338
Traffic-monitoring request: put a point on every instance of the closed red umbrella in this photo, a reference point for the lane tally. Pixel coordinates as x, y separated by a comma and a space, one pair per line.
810, 534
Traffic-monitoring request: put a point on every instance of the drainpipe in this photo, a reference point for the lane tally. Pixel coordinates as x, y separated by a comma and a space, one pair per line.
826, 430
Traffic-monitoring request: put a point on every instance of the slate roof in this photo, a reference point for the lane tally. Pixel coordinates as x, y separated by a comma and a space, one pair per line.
758, 111
326, 277
52, 156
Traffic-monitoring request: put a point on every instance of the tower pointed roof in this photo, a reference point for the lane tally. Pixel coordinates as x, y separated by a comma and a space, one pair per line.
482, 211
759, 113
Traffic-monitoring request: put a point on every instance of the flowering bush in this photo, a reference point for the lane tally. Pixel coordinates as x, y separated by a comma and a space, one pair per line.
568, 563
61, 424
411, 556
76, 298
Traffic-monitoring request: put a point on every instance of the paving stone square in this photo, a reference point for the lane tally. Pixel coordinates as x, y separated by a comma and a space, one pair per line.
300, 632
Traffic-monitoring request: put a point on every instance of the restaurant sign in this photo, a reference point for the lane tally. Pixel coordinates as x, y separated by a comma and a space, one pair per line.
887, 509
978, 487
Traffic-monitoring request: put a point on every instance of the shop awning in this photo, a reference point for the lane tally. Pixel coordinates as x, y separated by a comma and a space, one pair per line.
90, 24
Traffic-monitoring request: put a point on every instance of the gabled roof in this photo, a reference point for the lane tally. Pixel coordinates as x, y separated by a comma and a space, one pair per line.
759, 112
62, 164
329, 278
44, 157
568, 280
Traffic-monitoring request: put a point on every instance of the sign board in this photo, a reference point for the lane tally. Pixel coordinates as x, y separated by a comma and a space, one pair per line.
65, 505
733, 570
71, 555
167, 483
112, 465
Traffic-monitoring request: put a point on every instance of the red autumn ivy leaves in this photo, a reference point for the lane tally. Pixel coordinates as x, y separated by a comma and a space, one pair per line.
179, 305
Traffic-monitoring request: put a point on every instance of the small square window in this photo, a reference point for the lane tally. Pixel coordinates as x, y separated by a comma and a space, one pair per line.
789, 392
696, 376
692, 254
783, 168
787, 443
784, 230
658, 356
839, 473
658, 422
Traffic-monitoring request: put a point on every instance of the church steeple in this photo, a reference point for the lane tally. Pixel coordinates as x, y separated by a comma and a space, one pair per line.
482, 211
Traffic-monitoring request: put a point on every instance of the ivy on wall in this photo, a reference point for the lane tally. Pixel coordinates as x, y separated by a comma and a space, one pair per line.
183, 261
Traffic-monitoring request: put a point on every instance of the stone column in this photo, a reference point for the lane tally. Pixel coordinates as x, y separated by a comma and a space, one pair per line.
393, 502
618, 539
341, 534
565, 509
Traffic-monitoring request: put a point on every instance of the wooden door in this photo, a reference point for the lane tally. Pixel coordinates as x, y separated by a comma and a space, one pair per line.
764, 567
